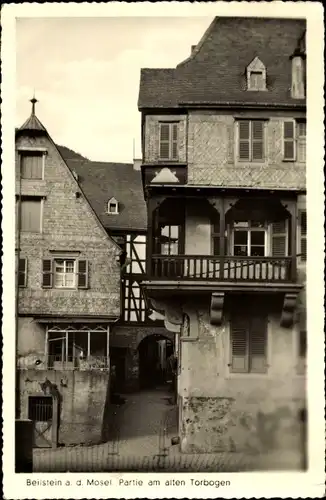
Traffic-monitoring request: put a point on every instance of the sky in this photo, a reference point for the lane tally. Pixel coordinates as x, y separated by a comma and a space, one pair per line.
86, 71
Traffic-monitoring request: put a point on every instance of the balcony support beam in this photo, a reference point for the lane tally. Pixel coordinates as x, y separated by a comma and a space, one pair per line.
217, 303
289, 306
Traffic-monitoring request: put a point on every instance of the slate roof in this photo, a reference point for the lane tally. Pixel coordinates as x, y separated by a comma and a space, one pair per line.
101, 181
215, 73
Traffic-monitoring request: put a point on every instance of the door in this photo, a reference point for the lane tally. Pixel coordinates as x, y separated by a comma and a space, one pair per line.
40, 412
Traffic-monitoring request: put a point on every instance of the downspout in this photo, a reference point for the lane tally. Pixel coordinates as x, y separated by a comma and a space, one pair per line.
18, 229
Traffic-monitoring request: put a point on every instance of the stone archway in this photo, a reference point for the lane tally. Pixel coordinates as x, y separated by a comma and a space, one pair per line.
153, 351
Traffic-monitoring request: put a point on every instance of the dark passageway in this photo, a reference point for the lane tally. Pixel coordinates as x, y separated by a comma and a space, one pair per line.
153, 353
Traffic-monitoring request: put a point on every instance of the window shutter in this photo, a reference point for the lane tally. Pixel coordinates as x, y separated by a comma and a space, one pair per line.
164, 140
258, 344
22, 272
257, 140
47, 273
82, 273
279, 232
244, 140
301, 146
239, 345
174, 141
32, 166
289, 140
303, 235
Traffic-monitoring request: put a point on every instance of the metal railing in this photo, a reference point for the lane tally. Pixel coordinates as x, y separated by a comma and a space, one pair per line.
226, 268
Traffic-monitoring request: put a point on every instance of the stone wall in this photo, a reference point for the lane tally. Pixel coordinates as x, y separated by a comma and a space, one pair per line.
68, 225
83, 397
152, 136
207, 142
212, 155
224, 411
129, 337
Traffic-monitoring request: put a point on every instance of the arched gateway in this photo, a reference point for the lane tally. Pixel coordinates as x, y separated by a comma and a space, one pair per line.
153, 352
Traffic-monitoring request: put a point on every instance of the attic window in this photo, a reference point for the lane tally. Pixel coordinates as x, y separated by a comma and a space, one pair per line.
256, 75
113, 206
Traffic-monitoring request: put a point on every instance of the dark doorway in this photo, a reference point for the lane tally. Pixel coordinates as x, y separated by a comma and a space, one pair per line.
153, 353
118, 366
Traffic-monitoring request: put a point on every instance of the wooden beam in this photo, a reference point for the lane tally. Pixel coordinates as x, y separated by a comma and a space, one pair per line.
289, 306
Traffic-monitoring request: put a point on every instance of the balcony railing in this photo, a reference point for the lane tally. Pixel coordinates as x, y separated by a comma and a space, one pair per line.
221, 268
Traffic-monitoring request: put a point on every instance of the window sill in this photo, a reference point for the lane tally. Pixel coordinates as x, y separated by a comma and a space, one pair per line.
288, 160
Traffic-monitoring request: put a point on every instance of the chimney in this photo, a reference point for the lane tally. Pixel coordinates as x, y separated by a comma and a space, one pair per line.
193, 48
298, 60
137, 164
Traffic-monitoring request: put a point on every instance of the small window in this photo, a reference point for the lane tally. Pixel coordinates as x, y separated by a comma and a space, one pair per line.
113, 206
32, 165
248, 344
256, 80
22, 272
256, 75
168, 143
40, 408
30, 215
251, 140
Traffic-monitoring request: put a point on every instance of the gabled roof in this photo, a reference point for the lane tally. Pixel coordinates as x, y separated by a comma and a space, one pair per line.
102, 181
215, 73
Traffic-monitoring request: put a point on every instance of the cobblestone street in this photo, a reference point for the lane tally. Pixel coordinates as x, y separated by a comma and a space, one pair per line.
138, 440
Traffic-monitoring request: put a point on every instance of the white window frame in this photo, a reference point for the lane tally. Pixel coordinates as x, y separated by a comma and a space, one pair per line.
64, 273
113, 201
237, 141
248, 229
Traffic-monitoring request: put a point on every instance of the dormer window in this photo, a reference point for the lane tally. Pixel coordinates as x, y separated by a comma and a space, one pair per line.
256, 75
113, 207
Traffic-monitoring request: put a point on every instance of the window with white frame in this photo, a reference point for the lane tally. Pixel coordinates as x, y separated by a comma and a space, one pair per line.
168, 141
259, 239
294, 140
64, 273
256, 75
251, 140
113, 206
249, 238
32, 163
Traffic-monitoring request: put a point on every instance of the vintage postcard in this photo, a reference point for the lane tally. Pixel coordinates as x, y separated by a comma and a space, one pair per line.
163, 213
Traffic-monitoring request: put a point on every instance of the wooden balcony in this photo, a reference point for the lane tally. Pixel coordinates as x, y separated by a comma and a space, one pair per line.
222, 268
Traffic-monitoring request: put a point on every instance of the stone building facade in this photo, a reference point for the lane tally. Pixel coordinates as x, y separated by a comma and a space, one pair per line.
68, 295
224, 178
